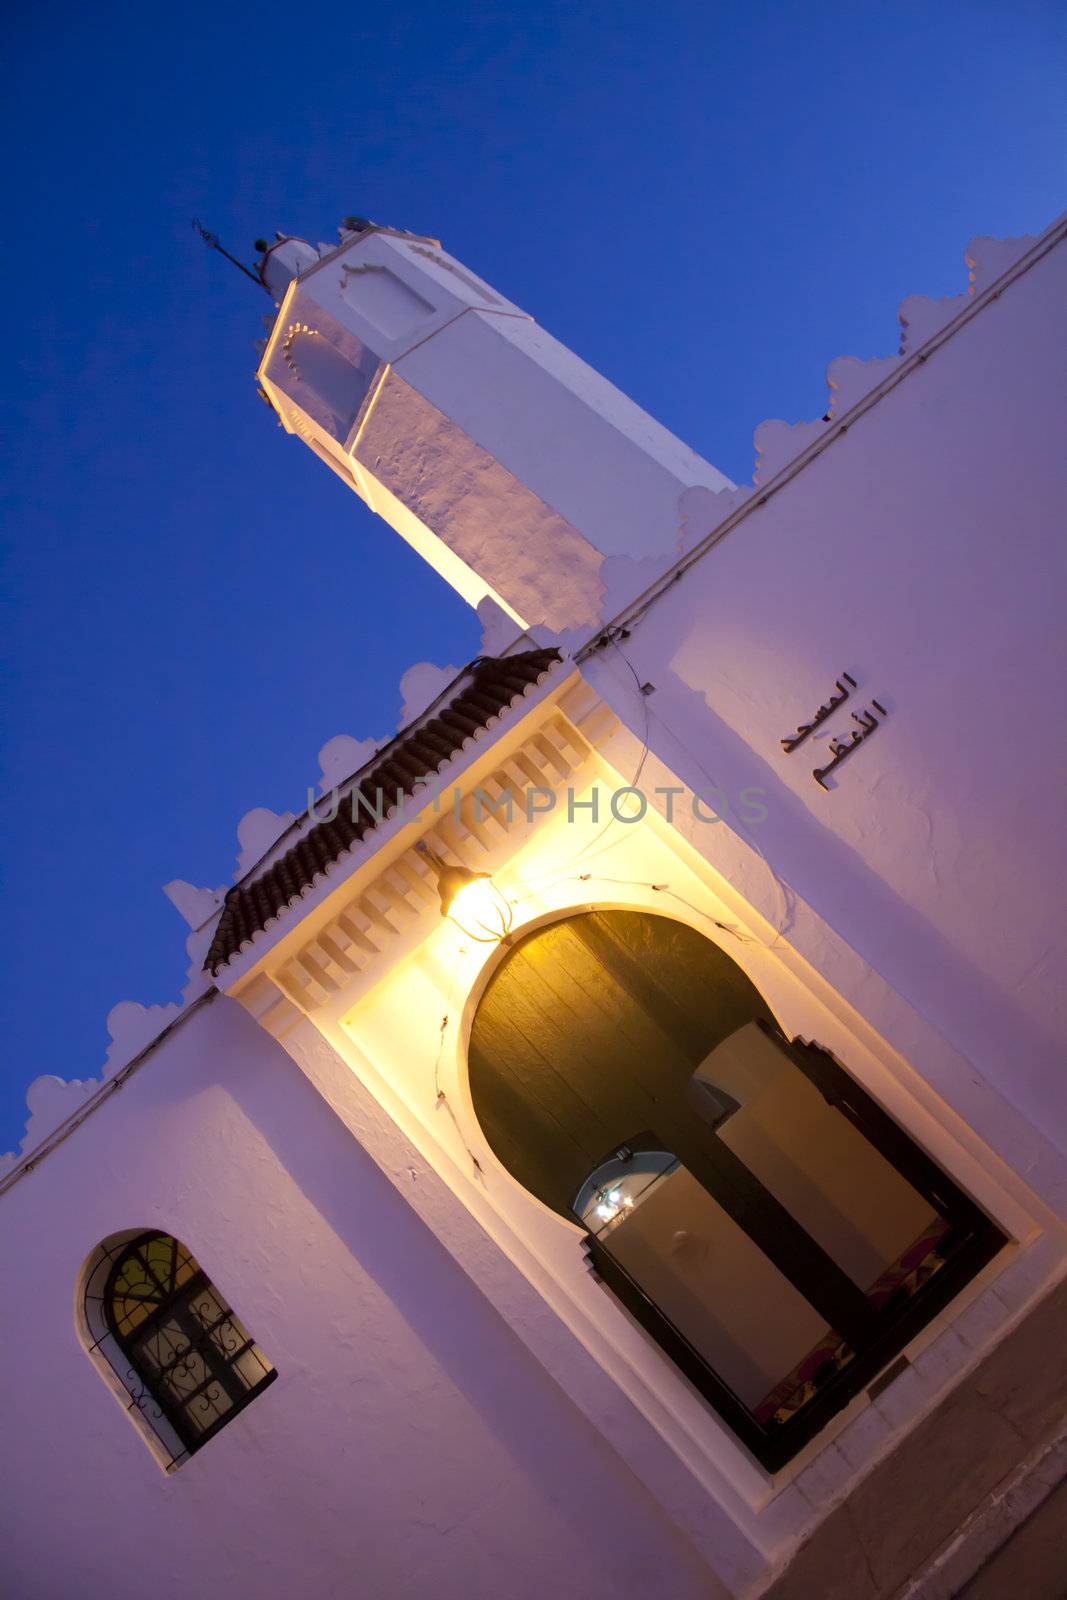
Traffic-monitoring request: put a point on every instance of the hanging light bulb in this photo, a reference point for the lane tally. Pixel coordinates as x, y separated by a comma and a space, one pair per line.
470, 899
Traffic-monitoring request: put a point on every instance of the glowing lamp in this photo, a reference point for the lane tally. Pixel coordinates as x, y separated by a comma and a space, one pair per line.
471, 900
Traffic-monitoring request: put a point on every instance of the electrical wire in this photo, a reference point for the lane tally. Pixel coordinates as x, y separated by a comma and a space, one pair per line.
441, 1099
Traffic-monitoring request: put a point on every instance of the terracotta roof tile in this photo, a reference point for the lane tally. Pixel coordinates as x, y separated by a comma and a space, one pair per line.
483, 694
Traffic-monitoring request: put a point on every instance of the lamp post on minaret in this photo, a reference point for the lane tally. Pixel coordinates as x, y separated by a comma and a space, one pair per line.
507, 462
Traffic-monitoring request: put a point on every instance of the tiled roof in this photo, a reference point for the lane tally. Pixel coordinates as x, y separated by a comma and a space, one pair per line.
482, 694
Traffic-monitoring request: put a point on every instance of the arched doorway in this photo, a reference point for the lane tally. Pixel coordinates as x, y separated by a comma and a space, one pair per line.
761, 1216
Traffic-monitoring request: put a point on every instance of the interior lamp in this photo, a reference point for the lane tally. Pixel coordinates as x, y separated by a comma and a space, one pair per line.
470, 899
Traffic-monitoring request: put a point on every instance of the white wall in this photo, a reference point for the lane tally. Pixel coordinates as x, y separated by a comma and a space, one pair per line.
924, 553
410, 1444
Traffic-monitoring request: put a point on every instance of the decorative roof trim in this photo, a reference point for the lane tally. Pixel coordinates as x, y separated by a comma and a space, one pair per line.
482, 694
377, 912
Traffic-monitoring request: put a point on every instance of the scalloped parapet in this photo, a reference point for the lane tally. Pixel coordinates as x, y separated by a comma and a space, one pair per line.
851, 379
197, 946
341, 756
257, 831
50, 1101
420, 686
777, 443
133, 1027
988, 259
921, 318
701, 511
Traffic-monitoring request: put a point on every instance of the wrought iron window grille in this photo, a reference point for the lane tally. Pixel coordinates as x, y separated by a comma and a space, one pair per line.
180, 1353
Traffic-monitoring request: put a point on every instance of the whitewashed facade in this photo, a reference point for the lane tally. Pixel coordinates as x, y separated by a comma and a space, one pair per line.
460, 1406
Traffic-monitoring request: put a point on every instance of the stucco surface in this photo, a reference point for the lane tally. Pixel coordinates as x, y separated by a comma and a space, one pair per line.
465, 497
923, 553
410, 1444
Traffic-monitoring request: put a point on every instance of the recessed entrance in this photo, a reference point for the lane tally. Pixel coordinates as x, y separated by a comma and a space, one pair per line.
767, 1223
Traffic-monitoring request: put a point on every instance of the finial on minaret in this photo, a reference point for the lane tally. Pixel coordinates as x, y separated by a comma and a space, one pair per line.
212, 239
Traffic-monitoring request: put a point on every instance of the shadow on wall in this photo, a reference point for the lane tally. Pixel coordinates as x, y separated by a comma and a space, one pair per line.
566, 1461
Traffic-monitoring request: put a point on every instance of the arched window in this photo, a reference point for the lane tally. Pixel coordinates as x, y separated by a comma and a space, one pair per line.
185, 1361
761, 1216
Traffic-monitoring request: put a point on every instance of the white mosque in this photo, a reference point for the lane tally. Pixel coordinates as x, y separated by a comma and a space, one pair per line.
613, 1136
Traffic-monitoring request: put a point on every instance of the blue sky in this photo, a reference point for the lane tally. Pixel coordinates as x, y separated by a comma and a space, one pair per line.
708, 202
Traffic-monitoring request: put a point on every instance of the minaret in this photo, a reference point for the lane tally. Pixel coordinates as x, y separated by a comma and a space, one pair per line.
511, 466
